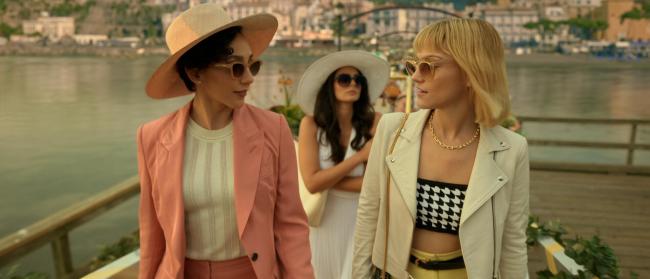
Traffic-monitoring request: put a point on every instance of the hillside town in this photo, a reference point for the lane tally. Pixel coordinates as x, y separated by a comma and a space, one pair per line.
600, 27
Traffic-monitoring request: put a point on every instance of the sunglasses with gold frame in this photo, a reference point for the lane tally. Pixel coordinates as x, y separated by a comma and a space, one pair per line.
237, 69
411, 65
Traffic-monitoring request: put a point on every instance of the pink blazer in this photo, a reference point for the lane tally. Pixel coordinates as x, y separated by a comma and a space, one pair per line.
271, 222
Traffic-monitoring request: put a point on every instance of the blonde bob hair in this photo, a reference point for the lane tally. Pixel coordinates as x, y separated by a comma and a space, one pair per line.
477, 48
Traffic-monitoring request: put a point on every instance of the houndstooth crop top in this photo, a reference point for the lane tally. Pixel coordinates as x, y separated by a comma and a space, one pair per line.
439, 205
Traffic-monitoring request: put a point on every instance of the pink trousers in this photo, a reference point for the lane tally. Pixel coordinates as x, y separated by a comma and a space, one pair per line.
239, 268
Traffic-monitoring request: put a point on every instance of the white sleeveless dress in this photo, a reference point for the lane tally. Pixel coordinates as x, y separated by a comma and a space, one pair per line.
332, 241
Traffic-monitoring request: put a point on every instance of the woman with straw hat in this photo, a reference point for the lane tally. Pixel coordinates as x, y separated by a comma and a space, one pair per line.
218, 177
336, 93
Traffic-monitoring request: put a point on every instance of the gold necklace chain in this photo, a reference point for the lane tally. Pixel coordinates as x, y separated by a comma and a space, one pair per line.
452, 147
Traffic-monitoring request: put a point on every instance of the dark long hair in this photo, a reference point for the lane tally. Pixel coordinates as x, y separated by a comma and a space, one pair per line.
213, 49
363, 116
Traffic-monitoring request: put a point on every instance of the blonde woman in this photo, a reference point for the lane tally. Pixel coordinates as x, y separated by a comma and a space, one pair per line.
455, 183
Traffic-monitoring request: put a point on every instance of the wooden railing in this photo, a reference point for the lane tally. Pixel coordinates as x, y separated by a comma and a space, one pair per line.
631, 145
556, 259
56, 228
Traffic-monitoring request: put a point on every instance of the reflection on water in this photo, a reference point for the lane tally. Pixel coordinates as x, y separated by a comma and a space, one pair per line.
581, 89
68, 125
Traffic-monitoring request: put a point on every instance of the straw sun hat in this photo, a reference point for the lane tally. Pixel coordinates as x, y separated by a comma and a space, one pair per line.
375, 69
193, 26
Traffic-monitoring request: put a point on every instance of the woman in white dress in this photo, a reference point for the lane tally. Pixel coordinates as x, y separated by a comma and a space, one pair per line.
336, 93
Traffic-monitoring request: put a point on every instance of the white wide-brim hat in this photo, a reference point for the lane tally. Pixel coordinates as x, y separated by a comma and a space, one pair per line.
375, 69
193, 26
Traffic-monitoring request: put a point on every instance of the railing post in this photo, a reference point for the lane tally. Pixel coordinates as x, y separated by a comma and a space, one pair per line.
630, 148
62, 256
556, 259
339, 30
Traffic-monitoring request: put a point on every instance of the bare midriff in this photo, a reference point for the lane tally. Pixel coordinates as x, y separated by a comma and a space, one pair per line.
434, 242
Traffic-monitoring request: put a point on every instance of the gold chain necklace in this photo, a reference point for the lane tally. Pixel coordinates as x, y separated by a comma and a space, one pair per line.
452, 147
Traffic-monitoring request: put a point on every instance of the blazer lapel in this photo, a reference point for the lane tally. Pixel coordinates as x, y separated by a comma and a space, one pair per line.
403, 163
169, 179
248, 142
487, 177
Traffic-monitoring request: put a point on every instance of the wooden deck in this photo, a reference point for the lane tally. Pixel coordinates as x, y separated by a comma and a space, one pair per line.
617, 207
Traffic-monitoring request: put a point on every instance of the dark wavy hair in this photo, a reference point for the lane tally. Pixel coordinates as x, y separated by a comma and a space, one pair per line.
213, 49
363, 116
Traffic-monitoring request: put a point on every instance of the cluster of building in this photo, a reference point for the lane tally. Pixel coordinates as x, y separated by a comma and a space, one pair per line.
307, 22
62, 30
313, 21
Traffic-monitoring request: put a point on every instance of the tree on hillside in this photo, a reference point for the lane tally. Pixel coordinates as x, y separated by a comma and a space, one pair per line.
137, 19
7, 30
584, 28
637, 13
587, 28
544, 26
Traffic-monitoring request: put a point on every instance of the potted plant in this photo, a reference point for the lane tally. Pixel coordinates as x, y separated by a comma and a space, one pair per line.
290, 110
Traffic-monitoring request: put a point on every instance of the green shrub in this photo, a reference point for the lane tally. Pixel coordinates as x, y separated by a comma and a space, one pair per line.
110, 253
7, 30
595, 256
11, 274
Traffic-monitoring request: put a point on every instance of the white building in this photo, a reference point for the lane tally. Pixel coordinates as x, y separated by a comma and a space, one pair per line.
239, 10
555, 13
579, 8
90, 39
54, 28
307, 21
407, 22
22, 39
418, 19
510, 23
